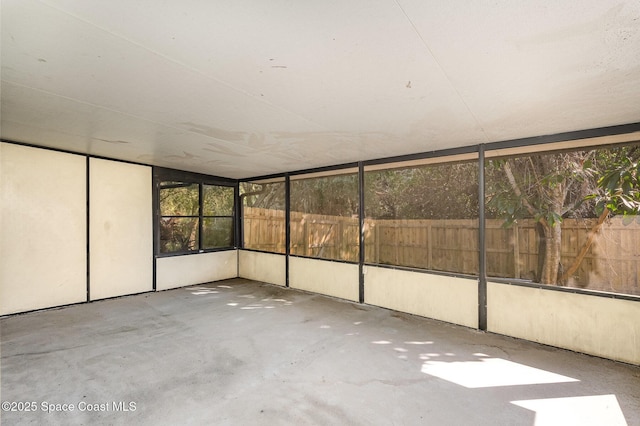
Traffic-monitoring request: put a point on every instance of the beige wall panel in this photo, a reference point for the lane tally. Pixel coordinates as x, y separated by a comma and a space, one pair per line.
180, 271
120, 229
595, 325
43, 244
449, 299
265, 267
325, 277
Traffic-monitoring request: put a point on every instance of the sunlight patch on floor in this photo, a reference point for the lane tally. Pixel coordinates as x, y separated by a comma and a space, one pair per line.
580, 410
201, 290
490, 372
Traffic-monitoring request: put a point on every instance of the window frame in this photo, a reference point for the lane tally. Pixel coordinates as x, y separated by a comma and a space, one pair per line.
578, 287
470, 159
171, 175
242, 212
329, 173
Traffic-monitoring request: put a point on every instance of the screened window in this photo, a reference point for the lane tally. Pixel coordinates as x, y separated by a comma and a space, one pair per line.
217, 216
179, 222
324, 217
195, 216
423, 217
566, 218
263, 216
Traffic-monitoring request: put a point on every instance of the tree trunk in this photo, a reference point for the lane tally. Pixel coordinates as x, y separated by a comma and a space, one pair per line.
554, 196
552, 243
542, 250
585, 247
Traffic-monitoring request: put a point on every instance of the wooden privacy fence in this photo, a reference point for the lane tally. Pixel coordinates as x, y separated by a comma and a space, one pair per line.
443, 245
263, 229
611, 264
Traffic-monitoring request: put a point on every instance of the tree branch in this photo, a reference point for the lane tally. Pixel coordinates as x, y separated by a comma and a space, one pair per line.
516, 189
585, 247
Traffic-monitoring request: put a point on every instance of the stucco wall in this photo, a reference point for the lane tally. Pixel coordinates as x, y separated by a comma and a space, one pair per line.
325, 277
180, 271
43, 244
265, 267
445, 298
595, 325
120, 228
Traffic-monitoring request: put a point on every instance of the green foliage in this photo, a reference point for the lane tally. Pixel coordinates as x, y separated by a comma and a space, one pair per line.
544, 187
332, 195
263, 195
504, 203
619, 185
442, 191
179, 199
178, 234
217, 200
217, 232
578, 184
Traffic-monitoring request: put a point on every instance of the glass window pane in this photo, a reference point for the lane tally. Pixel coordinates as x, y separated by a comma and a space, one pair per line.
263, 216
218, 200
179, 199
217, 232
566, 218
178, 234
423, 217
324, 217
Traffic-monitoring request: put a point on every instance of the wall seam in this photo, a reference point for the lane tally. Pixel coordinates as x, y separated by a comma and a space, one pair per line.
88, 219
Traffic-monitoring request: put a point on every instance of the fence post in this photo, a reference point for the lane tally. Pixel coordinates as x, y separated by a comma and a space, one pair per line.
516, 251
396, 242
377, 240
429, 245
305, 235
341, 241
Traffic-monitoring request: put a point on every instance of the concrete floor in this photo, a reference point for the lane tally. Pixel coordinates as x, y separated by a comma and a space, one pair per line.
239, 352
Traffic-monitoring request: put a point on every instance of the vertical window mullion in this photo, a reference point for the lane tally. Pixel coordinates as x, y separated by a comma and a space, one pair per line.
287, 224
236, 219
361, 240
482, 245
200, 214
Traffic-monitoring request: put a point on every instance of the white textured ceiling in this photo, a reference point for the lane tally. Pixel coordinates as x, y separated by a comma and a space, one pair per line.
243, 88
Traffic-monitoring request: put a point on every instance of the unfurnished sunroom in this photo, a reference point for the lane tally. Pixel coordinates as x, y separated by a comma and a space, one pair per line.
477, 165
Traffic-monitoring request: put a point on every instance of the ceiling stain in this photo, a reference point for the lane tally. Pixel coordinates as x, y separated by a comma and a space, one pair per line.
216, 149
258, 142
213, 132
185, 157
112, 141
579, 29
